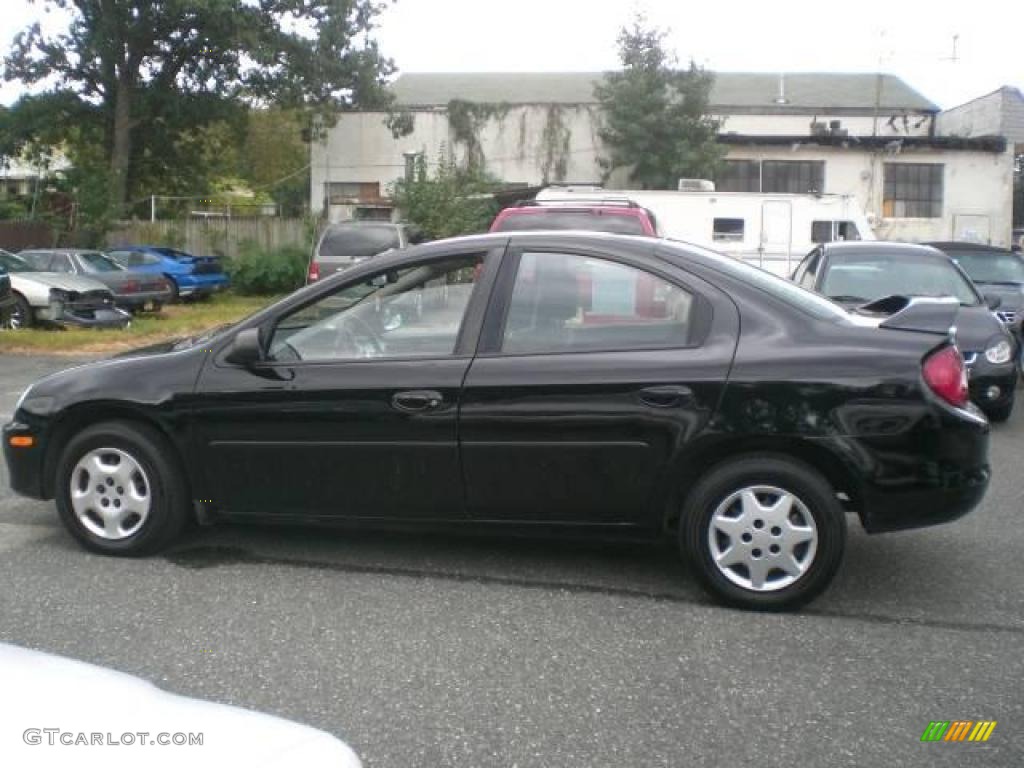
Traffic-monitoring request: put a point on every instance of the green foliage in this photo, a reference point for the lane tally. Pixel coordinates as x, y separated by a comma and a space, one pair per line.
275, 159
140, 82
655, 115
256, 272
453, 201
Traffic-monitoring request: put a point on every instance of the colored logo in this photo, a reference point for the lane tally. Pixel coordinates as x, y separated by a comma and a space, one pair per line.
958, 730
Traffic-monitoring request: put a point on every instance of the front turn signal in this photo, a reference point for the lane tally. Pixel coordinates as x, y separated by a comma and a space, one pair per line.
22, 441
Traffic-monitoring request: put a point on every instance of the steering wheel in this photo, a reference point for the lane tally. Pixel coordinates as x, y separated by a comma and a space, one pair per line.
355, 338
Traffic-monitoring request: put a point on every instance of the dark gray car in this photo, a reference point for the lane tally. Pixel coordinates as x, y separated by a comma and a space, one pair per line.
858, 274
133, 290
349, 242
997, 272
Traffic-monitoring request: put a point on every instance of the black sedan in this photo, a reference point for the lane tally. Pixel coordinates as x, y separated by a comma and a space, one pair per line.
533, 381
858, 273
132, 290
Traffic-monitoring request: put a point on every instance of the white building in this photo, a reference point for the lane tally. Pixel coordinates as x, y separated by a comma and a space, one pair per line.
870, 136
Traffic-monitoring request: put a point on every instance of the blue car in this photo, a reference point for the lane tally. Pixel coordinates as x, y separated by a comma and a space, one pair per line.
193, 276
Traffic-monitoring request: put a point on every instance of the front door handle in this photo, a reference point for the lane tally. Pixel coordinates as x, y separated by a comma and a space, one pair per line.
417, 400
668, 396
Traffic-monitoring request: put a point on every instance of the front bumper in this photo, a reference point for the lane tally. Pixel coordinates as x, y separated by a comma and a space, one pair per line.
992, 386
24, 465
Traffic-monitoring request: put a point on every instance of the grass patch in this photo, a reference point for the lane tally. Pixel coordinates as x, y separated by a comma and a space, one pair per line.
175, 320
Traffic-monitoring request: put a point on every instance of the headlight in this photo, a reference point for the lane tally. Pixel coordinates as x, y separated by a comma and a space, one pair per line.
1000, 352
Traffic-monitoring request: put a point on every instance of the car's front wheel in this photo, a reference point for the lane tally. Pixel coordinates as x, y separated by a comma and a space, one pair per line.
19, 315
119, 491
763, 533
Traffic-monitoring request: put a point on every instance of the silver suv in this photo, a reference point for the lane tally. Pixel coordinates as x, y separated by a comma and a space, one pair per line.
347, 243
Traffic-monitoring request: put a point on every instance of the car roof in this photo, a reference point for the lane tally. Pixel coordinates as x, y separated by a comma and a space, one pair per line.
881, 248
963, 245
635, 212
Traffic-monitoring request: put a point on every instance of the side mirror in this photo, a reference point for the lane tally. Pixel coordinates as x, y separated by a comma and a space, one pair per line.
246, 349
993, 302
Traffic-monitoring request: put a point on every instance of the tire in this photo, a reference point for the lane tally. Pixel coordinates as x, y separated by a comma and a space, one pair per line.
138, 473
999, 413
19, 315
813, 534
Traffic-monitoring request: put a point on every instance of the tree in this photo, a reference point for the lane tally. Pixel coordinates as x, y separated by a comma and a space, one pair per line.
654, 119
453, 201
139, 75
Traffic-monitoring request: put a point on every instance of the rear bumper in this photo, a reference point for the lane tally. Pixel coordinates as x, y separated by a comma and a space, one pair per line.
195, 285
935, 471
136, 300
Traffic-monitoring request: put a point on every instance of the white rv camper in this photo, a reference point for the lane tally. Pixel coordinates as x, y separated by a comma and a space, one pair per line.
773, 232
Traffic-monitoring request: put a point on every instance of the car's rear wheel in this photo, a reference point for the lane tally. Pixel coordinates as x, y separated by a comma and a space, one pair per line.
119, 491
763, 533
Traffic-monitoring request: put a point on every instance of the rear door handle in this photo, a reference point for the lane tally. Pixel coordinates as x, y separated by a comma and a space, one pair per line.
417, 400
667, 396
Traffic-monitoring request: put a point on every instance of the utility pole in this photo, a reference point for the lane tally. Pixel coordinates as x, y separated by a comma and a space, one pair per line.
152, 207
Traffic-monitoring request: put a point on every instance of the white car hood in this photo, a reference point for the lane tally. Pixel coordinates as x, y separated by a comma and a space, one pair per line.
42, 691
61, 280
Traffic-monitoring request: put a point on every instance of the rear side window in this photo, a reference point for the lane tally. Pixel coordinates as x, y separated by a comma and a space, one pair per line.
570, 303
592, 221
829, 231
358, 241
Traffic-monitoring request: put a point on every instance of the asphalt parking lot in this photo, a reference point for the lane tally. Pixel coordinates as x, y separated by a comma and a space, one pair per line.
440, 650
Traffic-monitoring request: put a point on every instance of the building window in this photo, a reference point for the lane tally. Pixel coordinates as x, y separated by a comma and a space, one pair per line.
342, 192
912, 191
738, 176
776, 176
793, 176
727, 230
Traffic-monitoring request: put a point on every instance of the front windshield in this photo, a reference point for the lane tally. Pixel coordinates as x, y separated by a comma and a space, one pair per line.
14, 263
861, 278
94, 261
990, 266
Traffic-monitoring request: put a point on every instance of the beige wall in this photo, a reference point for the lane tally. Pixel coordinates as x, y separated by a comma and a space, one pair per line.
361, 149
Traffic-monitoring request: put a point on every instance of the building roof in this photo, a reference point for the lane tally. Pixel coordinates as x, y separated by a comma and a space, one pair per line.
733, 91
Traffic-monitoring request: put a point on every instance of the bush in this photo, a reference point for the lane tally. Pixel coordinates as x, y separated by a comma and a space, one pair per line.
256, 272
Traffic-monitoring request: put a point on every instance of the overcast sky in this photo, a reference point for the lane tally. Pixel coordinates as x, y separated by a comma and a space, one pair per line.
911, 38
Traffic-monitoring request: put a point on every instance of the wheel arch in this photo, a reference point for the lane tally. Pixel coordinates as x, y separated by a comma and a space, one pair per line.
816, 454
84, 415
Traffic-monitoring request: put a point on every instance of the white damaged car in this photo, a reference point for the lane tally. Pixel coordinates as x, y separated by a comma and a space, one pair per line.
58, 298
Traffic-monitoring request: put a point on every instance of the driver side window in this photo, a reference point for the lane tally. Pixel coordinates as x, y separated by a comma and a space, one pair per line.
413, 311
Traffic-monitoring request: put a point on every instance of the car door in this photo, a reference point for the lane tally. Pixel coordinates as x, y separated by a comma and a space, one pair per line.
595, 370
354, 411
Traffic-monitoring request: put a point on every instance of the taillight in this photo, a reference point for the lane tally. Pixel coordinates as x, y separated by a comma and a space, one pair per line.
944, 371
314, 272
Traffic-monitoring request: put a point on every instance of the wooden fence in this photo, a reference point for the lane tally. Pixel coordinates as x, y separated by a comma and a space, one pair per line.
215, 237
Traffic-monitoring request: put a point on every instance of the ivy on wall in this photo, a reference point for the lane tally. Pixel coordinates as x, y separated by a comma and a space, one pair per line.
467, 121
